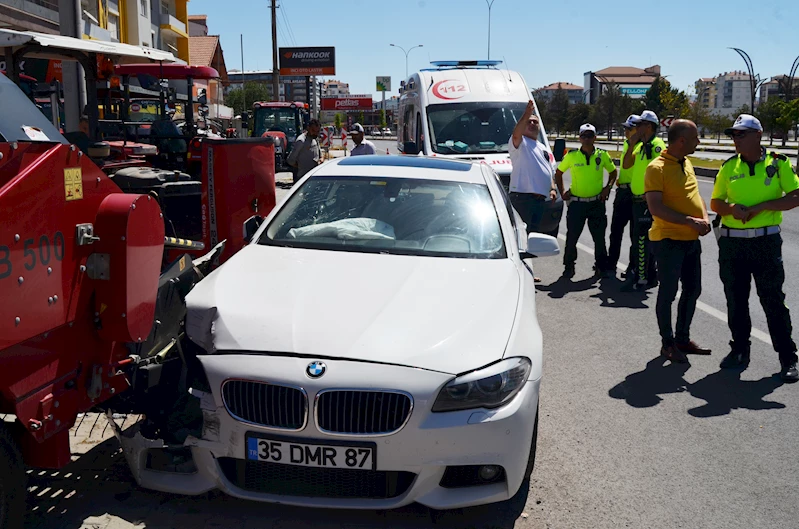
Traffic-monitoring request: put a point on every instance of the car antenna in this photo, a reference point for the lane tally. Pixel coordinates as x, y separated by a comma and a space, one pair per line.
508, 69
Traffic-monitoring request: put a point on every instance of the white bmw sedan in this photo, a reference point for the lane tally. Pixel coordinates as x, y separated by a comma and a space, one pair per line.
375, 345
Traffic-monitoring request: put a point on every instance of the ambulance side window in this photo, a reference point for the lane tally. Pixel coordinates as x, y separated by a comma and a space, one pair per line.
406, 123
419, 134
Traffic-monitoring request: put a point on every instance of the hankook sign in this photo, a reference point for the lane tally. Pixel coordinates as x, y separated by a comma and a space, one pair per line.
308, 61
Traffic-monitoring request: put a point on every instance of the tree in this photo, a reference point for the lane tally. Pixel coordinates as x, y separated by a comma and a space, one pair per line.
577, 115
607, 107
338, 122
360, 117
699, 115
251, 93
675, 103
767, 113
787, 117
653, 100
382, 118
717, 123
558, 109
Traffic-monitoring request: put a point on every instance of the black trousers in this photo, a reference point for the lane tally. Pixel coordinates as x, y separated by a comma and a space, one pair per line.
578, 214
645, 270
531, 209
677, 262
760, 258
622, 216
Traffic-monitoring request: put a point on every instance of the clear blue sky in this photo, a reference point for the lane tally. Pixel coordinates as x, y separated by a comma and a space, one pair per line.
545, 41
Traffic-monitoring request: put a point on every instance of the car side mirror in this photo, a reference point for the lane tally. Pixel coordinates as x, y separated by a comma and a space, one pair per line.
251, 226
559, 149
410, 147
540, 245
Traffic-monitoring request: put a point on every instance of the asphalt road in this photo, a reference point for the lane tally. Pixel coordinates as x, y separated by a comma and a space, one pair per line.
624, 440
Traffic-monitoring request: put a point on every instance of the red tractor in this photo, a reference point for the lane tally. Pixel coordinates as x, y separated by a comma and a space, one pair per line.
281, 120
91, 296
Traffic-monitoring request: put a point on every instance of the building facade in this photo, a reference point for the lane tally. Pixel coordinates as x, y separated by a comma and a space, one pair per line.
573, 91
335, 89
778, 87
706, 92
725, 93
161, 24
634, 82
291, 87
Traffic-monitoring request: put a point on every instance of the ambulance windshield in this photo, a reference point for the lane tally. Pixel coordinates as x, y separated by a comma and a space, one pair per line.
477, 127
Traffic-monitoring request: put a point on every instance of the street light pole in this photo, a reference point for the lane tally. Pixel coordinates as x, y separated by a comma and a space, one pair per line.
406, 55
754, 80
490, 5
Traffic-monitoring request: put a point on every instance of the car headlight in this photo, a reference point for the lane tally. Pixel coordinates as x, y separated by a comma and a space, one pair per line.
489, 387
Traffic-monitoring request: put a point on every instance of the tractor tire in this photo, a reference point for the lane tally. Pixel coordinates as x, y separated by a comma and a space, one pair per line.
13, 479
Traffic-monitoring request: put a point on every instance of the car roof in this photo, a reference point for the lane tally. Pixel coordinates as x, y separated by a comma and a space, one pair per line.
393, 166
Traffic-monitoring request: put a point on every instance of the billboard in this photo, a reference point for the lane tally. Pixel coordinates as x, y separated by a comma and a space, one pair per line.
308, 61
349, 102
383, 84
634, 91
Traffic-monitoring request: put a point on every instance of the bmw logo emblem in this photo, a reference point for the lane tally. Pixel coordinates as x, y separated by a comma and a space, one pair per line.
315, 369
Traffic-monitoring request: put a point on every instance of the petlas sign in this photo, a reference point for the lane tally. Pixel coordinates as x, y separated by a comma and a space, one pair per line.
350, 102
308, 61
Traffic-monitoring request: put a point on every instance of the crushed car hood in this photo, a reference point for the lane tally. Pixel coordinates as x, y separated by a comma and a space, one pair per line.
444, 314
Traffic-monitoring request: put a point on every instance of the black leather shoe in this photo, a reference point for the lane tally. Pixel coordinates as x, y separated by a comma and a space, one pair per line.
673, 354
691, 348
735, 360
789, 373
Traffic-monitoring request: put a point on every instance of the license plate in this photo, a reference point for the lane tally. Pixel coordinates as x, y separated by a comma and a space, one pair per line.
286, 452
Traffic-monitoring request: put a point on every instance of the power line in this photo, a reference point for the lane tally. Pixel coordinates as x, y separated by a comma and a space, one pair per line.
288, 24
280, 30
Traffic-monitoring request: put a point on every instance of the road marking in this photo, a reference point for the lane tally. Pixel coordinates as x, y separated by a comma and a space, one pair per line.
704, 307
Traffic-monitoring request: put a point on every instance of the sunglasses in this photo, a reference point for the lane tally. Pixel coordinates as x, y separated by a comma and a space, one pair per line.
739, 133
587, 135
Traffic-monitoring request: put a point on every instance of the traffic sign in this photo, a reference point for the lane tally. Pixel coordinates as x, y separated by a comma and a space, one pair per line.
666, 122
324, 138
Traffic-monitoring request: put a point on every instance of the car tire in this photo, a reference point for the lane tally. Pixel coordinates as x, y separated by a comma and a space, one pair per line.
12, 482
531, 458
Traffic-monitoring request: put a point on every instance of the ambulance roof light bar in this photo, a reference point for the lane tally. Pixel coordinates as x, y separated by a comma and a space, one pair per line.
465, 64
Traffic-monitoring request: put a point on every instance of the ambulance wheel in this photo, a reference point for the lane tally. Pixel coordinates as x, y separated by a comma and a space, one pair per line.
12, 483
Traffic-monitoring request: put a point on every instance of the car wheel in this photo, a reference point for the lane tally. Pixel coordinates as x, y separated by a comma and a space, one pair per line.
12, 483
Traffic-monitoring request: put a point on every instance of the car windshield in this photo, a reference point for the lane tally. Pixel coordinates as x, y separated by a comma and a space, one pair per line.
463, 128
282, 119
390, 215
144, 110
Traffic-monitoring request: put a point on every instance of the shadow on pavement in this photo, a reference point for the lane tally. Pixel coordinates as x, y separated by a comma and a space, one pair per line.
724, 391
611, 296
97, 490
643, 389
564, 285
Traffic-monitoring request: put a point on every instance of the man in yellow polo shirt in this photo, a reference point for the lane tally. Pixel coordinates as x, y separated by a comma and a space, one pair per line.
587, 197
645, 146
752, 190
680, 218
623, 205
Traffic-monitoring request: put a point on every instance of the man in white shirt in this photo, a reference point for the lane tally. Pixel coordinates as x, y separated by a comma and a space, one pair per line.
361, 146
531, 182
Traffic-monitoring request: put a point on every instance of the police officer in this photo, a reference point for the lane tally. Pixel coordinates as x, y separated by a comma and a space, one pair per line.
623, 204
587, 197
645, 146
752, 190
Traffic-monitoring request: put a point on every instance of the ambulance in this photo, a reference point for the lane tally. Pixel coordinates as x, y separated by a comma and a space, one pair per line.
463, 109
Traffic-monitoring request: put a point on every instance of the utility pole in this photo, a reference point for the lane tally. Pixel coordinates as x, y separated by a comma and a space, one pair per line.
243, 91
275, 68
